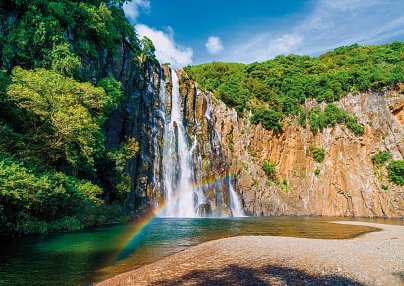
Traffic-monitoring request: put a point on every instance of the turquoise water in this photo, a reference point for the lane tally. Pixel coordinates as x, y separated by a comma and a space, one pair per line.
88, 256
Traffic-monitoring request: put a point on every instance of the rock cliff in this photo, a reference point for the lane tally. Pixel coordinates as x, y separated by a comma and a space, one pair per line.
348, 184
137, 117
224, 143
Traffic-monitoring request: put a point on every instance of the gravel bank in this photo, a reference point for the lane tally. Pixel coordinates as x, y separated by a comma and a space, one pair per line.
376, 258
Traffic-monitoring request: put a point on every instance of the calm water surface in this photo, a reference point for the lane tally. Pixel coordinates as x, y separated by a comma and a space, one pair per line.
88, 256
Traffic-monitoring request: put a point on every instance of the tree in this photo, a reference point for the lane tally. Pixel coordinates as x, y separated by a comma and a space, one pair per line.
113, 92
63, 61
284, 83
63, 115
268, 118
148, 48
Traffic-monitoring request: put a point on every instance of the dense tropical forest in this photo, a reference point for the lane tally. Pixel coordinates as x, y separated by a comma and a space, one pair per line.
53, 108
56, 171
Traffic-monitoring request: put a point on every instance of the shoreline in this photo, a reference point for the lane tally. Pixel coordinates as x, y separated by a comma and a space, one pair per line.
142, 218
375, 258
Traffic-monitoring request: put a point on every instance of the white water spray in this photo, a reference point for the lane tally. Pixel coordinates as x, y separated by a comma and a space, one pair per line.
235, 203
177, 165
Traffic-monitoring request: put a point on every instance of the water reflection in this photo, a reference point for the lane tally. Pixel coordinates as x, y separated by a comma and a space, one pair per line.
95, 254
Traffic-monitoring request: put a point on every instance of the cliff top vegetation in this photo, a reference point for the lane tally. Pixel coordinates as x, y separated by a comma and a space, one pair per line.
277, 88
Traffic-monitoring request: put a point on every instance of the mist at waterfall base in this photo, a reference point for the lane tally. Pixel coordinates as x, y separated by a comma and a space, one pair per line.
182, 196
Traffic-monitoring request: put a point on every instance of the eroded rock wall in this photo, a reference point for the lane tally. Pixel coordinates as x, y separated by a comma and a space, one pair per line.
223, 143
348, 183
210, 165
137, 117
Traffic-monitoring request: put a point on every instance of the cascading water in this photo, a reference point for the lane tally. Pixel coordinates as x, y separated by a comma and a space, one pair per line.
177, 165
235, 203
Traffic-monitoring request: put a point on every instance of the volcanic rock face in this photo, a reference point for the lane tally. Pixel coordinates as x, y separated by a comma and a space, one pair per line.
137, 117
348, 183
143, 117
210, 163
223, 143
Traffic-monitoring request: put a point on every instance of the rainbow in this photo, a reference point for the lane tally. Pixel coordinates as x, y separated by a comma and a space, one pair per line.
206, 182
134, 235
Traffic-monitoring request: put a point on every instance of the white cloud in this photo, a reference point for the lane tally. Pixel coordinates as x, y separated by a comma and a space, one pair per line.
133, 8
329, 24
167, 50
214, 45
284, 44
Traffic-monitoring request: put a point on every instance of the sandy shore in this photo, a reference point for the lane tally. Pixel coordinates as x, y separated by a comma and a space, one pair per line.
375, 258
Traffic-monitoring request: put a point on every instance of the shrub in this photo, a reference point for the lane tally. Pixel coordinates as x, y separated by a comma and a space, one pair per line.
385, 187
355, 127
32, 200
284, 186
113, 92
269, 169
331, 116
317, 171
317, 153
381, 158
396, 172
270, 119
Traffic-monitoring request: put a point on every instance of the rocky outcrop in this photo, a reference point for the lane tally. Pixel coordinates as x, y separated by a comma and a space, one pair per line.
137, 117
348, 184
225, 143
143, 116
211, 169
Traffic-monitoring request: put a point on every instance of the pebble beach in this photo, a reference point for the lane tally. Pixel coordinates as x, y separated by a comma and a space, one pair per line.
376, 258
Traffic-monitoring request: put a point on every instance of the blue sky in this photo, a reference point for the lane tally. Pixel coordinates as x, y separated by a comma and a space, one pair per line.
196, 31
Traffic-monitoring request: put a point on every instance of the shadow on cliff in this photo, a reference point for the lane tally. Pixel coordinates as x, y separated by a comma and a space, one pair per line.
266, 275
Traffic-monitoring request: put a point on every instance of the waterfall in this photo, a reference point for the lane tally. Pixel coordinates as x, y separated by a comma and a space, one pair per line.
177, 162
157, 132
235, 203
178, 165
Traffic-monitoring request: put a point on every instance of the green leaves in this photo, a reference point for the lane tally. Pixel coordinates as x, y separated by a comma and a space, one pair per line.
317, 153
285, 82
396, 172
43, 28
52, 121
269, 169
331, 116
64, 115
395, 168
120, 157
270, 119
28, 197
148, 48
63, 61
381, 158
113, 92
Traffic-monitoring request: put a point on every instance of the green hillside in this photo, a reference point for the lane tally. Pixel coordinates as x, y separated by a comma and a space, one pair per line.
278, 88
